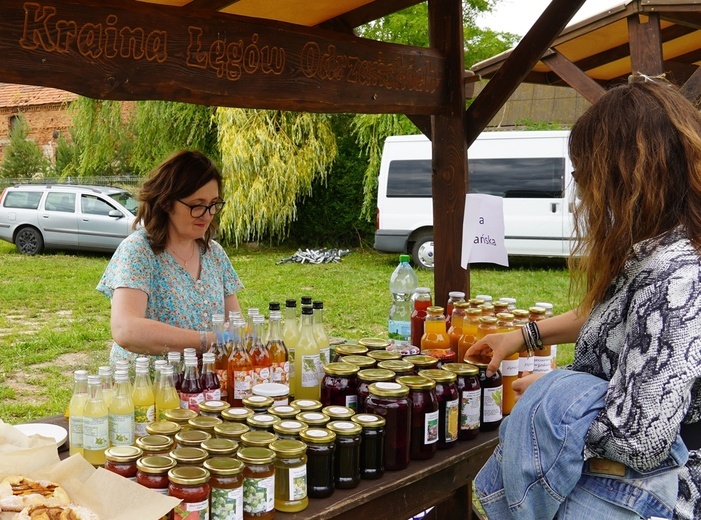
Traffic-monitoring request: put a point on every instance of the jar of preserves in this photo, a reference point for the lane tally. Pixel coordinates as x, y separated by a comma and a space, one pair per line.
491, 392
390, 400
338, 413
470, 323
383, 355
152, 472
278, 392
349, 350
230, 430
290, 475
400, 367
204, 423
541, 357
374, 343
346, 467
339, 386
168, 428
286, 411
180, 416
487, 325
321, 444
192, 438
424, 416
476, 303
442, 355
262, 422
422, 362
403, 349
217, 447
289, 429
191, 485
366, 378
213, 408
469, 393
236, 414
257, 439
313, 419
360, 361
227, 487
155, 444
258, 482
435, 332
448, 406
487, 309
307, 405
372, 465
189, 456
122, 460
258, 403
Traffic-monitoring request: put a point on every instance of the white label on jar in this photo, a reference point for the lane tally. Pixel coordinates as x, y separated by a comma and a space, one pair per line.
492, 404
121, 427
291, 424
75, 425
336, 410
431, 427
213, 394
365, 418
509, 367
283, 409
182, 511
95, 433
553, 357
452, 414
352, 402
291, 359
227, 504
316, 433
298, 483
470, 405
310, 371
344, 425
303, 403
541, 364
325, 356
525, 364
258, 495
314, 416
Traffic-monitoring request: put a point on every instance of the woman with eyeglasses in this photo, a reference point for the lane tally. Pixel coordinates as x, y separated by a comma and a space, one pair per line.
168, 277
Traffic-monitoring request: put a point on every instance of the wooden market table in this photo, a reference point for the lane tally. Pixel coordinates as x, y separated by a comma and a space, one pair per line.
445, 481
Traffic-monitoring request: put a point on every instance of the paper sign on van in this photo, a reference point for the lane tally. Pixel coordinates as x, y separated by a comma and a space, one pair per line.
483, 231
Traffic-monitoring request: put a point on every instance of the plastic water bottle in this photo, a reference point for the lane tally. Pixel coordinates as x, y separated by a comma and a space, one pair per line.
402, 285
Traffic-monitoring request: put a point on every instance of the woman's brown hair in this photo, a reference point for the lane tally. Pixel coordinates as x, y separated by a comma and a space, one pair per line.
637, 159
179, 176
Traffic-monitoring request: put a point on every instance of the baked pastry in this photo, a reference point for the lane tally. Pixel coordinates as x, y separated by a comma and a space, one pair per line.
69, 512
18, 492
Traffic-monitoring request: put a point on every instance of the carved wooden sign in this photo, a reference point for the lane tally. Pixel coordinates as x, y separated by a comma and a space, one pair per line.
128, 50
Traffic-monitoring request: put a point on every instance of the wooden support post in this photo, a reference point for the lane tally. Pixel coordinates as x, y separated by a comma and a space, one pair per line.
645, 44
574, 76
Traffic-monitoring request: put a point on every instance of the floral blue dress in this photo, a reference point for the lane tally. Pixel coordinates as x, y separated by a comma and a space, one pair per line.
174, 297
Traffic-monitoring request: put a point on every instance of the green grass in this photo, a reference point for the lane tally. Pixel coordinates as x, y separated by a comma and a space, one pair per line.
53, 321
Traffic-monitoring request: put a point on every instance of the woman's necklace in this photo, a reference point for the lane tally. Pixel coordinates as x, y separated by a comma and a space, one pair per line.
183, 260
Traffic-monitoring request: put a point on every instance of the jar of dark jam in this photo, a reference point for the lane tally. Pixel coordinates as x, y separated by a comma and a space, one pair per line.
213, 408
236, 414
152, 472
470, 398
286, 411
155, 444
258, 403
372, 465
361, 362
443, 355
189, 456
192, 438
180, 416
168, 428
390, 400
307, 405
191, 485
257, 439
422, 362
490, 394
204, 423
313, 419
230, 430
349, 350
290, 475
289, 429
258, 483
383, 355
424, 416
217, 447
368, 376
339, 386
448, 406
400, 367
374, 343
321, 444
346, 466
338, 413
227, 487
262, 422
122, 460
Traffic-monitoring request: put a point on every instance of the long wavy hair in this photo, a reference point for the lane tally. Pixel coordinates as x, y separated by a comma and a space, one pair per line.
178, 177
637, 159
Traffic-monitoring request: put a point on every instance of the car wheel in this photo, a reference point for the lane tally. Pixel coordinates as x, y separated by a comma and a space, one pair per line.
29, 241
422, 252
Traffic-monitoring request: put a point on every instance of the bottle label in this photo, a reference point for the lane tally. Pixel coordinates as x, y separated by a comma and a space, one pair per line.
400, 330
121, 427
310, 371
470, 403
452, 415
525, 364
281, 372
509, 367
541, 364
242, 383
352, 402
143, 416
227, 504
213, 394
223, 376
553, 357
258, 495
298, 483
261, 375
431, 427
291, 359
192, 511
191, 401
325, 356
75, 425
96, 433
492, 404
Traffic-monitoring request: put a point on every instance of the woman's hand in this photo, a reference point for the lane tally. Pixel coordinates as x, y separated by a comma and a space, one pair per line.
498, 347
521, 384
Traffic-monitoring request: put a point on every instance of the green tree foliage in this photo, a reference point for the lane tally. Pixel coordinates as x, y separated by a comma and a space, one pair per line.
23, 157
269, 159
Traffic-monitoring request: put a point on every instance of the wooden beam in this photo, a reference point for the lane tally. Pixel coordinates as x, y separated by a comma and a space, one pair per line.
517, 66
574, 76
645, 45
423, 123
692, 88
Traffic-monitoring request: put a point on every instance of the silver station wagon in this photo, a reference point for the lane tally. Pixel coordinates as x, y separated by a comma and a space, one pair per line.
65, 216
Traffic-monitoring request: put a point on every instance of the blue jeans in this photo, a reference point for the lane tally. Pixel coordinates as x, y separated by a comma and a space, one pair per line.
537, 471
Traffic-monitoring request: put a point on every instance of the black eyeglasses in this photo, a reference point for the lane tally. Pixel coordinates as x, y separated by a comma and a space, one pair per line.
199, 210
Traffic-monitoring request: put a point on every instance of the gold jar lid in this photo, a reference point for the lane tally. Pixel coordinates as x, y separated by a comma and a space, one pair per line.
317, 436
219, 446
389, 389
359, 361
488, 320
537, 310
351, 350
398, 366
474, 312
258, 402
368, 420
288, 448
180, 415
417, 382
214, 406
231, 430
383, 355
478, 361
262, 420
169, 428
422, 361
461, 369
236, 414
344, 428
505, 316
155, 464
438, 375
435, 310
341, 369
337, 412
520, 313
313, 418
151, 443
289, 427
284, 411
376, 374
189, 455
224, 466
204, 422
123, 453
188, 476
476, 302
462, 305
257, 438
374, 343
307, 405
253, 455
192, 437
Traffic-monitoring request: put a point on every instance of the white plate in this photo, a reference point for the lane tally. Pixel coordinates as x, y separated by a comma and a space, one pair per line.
45, 429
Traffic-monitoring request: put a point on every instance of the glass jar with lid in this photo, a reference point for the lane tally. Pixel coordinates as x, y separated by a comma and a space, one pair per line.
372, 464
257, 439
213, 408
321, 445
424, 416
289, 429
236, 414
307, 405
189, 456
422, 362
470, 324
374, 343
339, 386
448, 406
168, 428
122, 460
338, 413
192, 438
383, 355
346, 469
366, 378
191, 485
313, 419
476, 303
487, 309
231, 430
217, 447
349, 350
391, 401
469, 394
258, 482
262, 422
204, 423
443, 355
258, 403
400, 367
361, 362
227, 487
155, 444
278, 392
490, 394
286, 411
152, 472
290, 475
180, 416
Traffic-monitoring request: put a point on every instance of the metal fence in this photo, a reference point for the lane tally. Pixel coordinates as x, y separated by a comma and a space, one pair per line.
115, 180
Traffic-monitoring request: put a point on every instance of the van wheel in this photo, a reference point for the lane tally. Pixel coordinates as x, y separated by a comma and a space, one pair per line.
29, 241
422, 252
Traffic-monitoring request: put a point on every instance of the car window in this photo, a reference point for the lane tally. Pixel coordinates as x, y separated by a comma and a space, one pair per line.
22, 199
57, 201
95, 206
127, 200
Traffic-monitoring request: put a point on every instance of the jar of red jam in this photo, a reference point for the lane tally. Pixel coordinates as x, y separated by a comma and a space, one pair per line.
422, 362
443, 355
390, 400
491, 391
424, 416
236, 414
448, 406
338, 413
400, 367
122, 460
368, 376
227, 487
289, 429
191, 485
346, 467
470, 398
383, 355
339, 386
258, 483
361, 362
372, 464
189, 456
152, 472
321, 445
155, 444
349, 350
192, 438
230, 430
217, 447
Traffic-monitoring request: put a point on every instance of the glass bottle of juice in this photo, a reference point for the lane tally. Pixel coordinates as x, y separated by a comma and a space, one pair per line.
525, 362
96, 436
107, 383
290, 334
422, 301
144, 400
220, 350
75, 411
435, 334
260, 355
487, 325
240, 367
322, 339
541, 358
456, 325
509, 366
553, 348
280, 369
211, 386
166, 395
174, 358
121, 412
191, 394
307, 361
470, 323
453, 297
248, 335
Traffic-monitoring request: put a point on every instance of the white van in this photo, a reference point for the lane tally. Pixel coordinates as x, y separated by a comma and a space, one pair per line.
532, 171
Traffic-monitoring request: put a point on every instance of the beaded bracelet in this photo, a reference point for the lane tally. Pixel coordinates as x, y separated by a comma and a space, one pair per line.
531, 337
